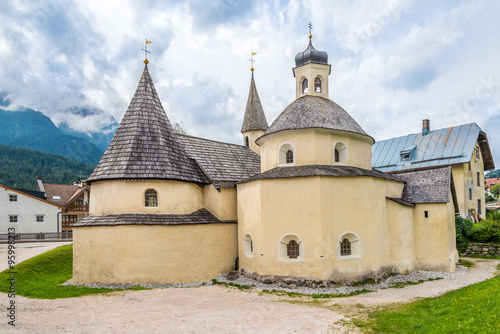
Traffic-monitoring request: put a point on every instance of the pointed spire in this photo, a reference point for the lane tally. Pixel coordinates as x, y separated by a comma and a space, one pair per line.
145, 145
254, 119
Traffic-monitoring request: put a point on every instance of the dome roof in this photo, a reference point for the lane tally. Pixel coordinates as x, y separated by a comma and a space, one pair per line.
311, 55
314, 112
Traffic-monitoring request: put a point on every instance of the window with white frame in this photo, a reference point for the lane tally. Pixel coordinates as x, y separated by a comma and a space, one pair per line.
13, 219
12, 198
40, 218
340, 153
248, 245
286, 154
349, 247
291, 248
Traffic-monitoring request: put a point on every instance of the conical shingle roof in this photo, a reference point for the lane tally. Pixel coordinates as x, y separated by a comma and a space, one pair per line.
254, 119
145, 145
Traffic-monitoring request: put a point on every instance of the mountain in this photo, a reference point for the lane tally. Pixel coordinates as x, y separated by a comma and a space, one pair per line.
493, 174
31, 129
20, 167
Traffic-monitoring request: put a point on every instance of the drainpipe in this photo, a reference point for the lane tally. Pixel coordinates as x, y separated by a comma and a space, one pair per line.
60, 212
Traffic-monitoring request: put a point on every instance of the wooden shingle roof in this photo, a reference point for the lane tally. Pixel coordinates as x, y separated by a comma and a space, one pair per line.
254, 119
145, 145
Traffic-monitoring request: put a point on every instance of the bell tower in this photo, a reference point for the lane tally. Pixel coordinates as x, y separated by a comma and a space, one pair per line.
254, 121
311, 71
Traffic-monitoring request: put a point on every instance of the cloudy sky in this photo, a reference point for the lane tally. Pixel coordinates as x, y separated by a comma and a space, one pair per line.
394, 63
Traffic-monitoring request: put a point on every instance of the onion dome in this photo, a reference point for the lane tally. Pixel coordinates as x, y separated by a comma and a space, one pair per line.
314, 112
311, 55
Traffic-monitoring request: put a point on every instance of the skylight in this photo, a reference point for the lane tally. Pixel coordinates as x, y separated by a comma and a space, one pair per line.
56, 197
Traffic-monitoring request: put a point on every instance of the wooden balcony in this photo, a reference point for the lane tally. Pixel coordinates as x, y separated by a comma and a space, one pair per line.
76, 208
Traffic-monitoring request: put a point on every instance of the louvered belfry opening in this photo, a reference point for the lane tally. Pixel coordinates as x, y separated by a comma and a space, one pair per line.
289, 156
292, 249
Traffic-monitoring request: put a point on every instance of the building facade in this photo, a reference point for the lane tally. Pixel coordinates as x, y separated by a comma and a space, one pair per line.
168, 208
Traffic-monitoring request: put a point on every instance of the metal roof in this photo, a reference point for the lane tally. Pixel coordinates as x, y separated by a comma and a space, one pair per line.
442, 147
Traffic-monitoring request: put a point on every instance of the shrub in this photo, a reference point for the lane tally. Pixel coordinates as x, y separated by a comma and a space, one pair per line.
486, 231
463, 228
494, 215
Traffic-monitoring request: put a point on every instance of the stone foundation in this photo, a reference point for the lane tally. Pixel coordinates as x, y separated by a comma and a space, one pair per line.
293, 282
481, 249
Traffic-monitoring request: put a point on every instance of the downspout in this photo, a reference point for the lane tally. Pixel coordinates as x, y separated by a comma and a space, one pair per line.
60, 212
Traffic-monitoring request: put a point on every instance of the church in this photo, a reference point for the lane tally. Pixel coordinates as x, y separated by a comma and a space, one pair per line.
298, 200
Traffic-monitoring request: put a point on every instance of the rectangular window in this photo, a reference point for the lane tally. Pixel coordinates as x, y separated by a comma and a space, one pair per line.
426, 214
40, 218
69, 218
479, 207
79, 202
470, 194
477, 152
13, 198
478, 179
469, 166
12, 219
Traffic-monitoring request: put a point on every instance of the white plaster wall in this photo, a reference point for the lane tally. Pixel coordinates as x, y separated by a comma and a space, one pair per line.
27, 208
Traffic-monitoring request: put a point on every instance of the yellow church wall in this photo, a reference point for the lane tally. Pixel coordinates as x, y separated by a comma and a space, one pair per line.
127, 196
431, 252
320, 210
466, 179
310, 72
401, 237
221, 203
252, 136
316, 147
153, 253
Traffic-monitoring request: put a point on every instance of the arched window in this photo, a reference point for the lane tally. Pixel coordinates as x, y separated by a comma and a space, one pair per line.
247, 142
248, 245
317, 85
286, 154
349, 247
345, 247
151, 198
305, 86
340, 153
292, 249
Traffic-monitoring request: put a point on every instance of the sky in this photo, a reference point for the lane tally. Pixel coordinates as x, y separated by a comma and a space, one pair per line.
394, 63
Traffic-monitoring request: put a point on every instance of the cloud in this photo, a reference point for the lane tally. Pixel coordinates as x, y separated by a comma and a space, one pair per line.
393, 63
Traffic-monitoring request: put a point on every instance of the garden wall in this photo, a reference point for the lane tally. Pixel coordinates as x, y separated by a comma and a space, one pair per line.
481, 249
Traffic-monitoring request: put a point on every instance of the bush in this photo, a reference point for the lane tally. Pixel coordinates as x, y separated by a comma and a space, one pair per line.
486, 231
494, 215
463, 228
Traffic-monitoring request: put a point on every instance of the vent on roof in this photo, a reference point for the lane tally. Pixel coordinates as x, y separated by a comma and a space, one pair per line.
426, 126
407, 152
56, 197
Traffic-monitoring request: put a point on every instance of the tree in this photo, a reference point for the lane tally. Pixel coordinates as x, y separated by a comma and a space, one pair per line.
495, 190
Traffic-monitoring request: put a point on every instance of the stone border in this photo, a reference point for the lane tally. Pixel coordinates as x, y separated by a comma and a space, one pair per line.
476, 248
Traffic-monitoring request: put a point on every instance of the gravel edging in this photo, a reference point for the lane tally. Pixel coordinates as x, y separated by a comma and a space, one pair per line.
398, 280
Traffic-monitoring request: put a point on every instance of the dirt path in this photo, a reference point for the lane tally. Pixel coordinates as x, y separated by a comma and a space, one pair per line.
213, 309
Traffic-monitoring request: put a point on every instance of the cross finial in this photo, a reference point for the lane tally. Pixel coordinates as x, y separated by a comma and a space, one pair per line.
146, 51
310, 29
252, 60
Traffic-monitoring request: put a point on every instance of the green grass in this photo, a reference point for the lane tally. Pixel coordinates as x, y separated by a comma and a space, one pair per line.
467, 264
234, 285
41, 276
473, 309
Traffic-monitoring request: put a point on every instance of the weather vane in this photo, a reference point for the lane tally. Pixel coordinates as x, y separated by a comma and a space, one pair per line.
146, 51
252, 60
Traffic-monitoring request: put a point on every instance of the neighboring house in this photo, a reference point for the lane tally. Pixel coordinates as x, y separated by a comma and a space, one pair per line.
489, 183
27, 212
464, 147
286, 206
73, 197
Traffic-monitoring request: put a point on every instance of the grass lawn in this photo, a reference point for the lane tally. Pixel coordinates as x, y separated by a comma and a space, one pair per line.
39, 277
473, 309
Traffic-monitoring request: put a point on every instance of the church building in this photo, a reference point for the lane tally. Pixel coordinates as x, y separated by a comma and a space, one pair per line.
298, 200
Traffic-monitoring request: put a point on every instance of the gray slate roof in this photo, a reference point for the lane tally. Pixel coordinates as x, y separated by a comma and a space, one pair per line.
145, 145
221, 162
201, 216
427, 186
441, 147
320, 170
254, 119
314, 112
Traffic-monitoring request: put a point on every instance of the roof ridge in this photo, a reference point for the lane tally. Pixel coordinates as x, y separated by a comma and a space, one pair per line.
212, 140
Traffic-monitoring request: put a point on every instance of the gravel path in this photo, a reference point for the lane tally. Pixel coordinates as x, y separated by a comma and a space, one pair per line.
219, 309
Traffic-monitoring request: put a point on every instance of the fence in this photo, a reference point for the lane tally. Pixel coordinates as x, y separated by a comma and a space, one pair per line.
38, 236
